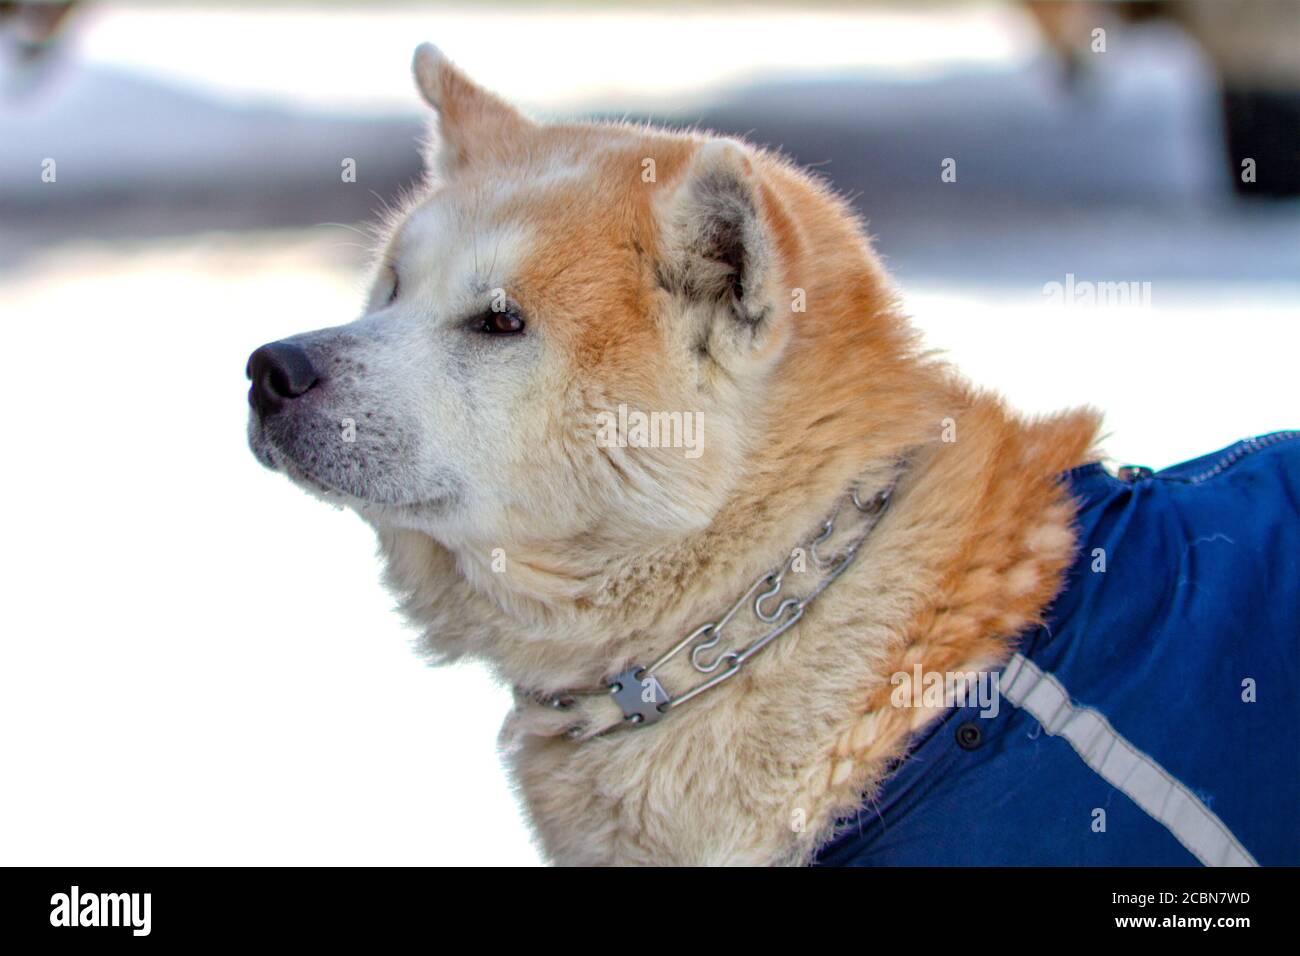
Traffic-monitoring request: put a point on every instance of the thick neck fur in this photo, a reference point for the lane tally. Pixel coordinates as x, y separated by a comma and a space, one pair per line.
971, 552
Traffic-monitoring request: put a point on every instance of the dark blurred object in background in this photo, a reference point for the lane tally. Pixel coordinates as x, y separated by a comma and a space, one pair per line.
32, 28
1264, 125
1254, 47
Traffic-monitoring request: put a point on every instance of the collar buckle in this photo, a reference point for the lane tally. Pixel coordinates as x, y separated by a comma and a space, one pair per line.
639, 695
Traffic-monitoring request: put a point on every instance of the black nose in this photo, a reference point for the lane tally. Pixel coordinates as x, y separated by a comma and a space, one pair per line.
280, 372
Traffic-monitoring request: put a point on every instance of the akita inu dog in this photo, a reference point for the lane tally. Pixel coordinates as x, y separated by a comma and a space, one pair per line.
637, 421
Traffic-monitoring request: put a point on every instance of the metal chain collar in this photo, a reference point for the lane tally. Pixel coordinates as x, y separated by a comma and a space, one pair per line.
640, 694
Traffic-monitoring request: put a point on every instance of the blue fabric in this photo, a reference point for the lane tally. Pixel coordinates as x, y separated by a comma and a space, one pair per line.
1201, 591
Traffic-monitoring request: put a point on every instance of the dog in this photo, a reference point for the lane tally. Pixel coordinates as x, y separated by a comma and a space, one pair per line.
637, 421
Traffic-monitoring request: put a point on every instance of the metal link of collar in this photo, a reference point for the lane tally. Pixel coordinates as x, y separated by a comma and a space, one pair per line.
641, 696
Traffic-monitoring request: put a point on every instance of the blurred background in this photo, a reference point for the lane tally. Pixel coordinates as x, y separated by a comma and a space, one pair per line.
1081, 203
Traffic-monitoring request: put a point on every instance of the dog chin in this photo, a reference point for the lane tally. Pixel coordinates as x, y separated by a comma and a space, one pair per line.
415, 514
273, 458
261, 446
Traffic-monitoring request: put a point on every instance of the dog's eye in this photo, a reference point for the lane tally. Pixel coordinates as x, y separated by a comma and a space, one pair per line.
392, 296
501, 323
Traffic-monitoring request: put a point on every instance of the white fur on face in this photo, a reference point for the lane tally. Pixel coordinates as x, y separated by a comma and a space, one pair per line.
417, 407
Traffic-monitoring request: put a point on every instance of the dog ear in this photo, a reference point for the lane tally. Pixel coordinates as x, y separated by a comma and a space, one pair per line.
473, 125
719, 244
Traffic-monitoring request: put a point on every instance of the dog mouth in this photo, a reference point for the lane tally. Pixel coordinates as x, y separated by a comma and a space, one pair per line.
272, 455
305, 479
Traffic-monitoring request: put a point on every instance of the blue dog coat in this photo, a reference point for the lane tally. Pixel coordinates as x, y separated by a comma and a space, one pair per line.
1155, 718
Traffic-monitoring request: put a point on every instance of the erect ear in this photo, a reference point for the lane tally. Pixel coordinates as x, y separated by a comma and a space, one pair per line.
473, 125
719, 245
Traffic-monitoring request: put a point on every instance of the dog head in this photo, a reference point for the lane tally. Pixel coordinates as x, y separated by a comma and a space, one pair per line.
570, 333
